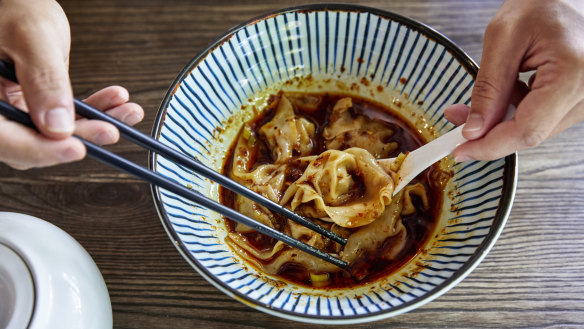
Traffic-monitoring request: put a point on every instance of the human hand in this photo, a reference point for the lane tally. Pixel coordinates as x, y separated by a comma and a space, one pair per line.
525, 35
34, 35
25, 148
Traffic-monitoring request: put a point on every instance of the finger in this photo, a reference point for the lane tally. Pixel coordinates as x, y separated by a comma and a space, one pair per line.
12, 93
536, 119
114, 101
499, 142
102, 133
574, 116
40, 58
108, 97
554, 93
97, 132
457, 113
48, 96
129, 113
31, 149
502, 53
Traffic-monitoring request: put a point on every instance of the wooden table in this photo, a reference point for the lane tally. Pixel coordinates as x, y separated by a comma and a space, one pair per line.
533, 277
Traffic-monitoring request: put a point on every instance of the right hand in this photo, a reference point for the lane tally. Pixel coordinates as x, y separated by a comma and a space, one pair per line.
525, 35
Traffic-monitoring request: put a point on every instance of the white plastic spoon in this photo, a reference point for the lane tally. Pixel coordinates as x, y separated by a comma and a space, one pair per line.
428, 154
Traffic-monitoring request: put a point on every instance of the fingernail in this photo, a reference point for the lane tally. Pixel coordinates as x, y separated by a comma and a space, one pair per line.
474, 122
461, 158
59, 120
69, 154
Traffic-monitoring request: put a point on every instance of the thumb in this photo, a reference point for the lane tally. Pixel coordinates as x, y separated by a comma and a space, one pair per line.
47, 92
501, 59
38, 40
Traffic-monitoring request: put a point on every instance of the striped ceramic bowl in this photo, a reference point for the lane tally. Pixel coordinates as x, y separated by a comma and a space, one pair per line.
339, 48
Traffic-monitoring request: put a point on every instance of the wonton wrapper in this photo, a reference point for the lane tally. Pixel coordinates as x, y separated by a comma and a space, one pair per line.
344, 131
372, 236
368, 238
287, 134
346, 188
326, 190
267, 180
270, 261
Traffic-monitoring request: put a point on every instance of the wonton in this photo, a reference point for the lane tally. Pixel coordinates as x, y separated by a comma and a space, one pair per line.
324, 167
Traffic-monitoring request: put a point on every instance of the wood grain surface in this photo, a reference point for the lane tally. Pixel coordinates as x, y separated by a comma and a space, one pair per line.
533, 277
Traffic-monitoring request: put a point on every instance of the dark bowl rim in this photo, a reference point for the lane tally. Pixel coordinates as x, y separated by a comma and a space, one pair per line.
500, 218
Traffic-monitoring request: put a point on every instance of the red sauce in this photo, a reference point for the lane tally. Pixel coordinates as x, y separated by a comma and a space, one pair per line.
370, 266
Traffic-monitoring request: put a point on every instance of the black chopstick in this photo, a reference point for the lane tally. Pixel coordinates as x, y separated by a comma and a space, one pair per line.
7, 70
154, 178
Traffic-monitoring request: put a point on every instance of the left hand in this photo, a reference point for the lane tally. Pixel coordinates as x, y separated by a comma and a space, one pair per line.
25, 148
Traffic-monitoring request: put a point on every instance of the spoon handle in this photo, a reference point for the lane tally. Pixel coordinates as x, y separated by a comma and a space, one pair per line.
423, 157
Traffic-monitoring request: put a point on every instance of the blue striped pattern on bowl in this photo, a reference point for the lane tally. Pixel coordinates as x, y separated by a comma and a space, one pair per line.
405, 59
